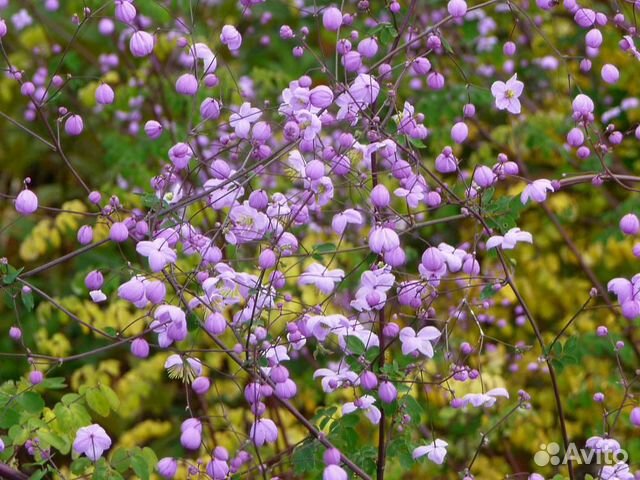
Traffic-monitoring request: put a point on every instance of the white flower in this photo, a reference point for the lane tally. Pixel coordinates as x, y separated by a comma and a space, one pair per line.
508, 242
487, 399
420, 341
325, 280
435, 451
366, 404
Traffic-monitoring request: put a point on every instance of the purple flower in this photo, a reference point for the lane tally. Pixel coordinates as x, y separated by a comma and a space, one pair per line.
383, 239
387, 392
487, 399
332, 19
141, 44
91, 441
140, 348
191, 436
457, 8
170, 324
263, 431
630, 224
435, 451
635, 417
241, 121
506, 94
119, 232
510, 239
73, 125
248, 224
484, 176
459, 132
104, 93
421, 341
167, 467
366, 403
322, 278
334, 472
159, 253
26, 202
187, 84
231, 37
536, 191
610, 73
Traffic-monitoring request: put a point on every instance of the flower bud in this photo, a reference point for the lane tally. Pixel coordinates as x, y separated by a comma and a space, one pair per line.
141, 44
167, 467
387, 392
629, 224
73, 125
26, 202
140, 348
85, 237
332, 19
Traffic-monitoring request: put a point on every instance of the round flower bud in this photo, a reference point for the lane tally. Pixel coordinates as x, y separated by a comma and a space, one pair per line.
368, 380
267, 259
167, 467
15, 333
435, 81
180, 154
610, 73
582, 104
140, 348
36, 377
368, 47
593, 38
118, 232
314, 169
3, 28
602, 331
387, 392
141, 44
74, 125
331, 456
380, 196
509, 49
332, 19
187, 84
321, 96
258, 199
85, 237
629, 224
484, 176
26, 202
575, 137
209, 109
125, 11
459, 132
94, 280
635, 417
215, 324
457, 8
105, 94
201, 385
421, 66
153, 129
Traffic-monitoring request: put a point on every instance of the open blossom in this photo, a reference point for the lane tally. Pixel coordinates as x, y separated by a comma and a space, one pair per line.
241, 122
536, 191
324, 279
366, 403
91, 441
183, 368
510, 239
421, 341
627, 292
159, 253
619, 471
487, 399
506, 94
336, 377
435, 451
342, 219
170, 324
248, 224
383, 239
372, 293
263, 431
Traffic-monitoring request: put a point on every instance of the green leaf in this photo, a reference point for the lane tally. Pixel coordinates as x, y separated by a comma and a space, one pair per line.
56, 441
121, 460
111, 396
413, 408
305, 458
27, 300
8, 418
54, 383
79, 465
140, 466
31, 402
11, 275
39, 474
97, 401
355, 345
